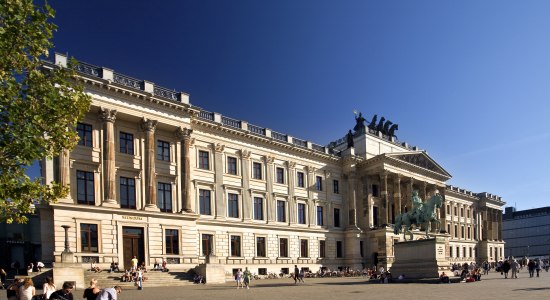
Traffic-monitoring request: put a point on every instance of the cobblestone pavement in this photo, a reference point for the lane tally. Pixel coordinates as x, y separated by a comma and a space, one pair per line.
493, 286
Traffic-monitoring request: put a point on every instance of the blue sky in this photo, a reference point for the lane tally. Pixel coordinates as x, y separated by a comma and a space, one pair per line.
468, 81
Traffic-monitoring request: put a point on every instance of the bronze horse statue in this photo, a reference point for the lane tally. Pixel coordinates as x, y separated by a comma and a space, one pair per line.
423, 219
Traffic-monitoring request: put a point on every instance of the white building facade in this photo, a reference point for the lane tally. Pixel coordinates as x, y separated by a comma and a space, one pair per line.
156, 177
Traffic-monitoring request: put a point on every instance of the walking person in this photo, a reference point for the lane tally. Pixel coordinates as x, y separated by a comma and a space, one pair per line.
505, 268
109, 293
247, 277
92, 291
537, 266
27, 290
48, 288
66, 293
531, 267
296, 273
134, 263
301, 275
139, 279
514, 266
239, 278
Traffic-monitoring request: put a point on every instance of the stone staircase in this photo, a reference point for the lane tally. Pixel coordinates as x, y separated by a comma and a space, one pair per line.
154, 278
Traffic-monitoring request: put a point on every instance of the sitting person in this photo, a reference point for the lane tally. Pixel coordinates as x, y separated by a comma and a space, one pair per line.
198, 279
156, 266
112, 267
444, 278
142, 267
39, 266
126, 277
95, 268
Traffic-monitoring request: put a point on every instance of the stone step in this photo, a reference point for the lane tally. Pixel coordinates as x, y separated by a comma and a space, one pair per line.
106, 279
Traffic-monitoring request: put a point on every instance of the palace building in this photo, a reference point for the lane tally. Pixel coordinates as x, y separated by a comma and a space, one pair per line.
159, 178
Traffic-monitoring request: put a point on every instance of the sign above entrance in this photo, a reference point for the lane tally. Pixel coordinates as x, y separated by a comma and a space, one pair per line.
132, 218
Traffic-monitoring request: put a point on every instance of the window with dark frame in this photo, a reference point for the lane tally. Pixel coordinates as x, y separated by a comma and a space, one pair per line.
85, 134
281, 214
320, 216
127, 192
304, 251
257, 170
89, 238
335, 187
339, 251
207, 242
336, 217
322, 250
300, 178
232, 165
126, 143
232, 205
204, 202
260, 246
283, 247
236, 246
301, 213
280, 175
258, 208
164, 196
204, 160
375, 190
163, 150
172, 241
319, 183
85, 192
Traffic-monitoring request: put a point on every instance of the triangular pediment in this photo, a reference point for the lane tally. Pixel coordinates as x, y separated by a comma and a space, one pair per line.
420, 159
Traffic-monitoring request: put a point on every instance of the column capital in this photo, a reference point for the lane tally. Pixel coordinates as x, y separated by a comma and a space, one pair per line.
183, 133
291, 165
148, 125
219, 147
311, 169
269, 159
107, 114
245, 154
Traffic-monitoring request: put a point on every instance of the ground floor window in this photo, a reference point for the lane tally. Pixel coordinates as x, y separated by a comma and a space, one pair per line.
172, 241
235, 245
283, 247
207, 244
88, 238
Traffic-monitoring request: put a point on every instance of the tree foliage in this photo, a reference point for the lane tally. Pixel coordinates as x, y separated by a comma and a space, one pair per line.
39, 106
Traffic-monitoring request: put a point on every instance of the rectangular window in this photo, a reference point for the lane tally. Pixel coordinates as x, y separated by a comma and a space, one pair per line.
163, 150
172, 241
469, 234
164, 196
257, 170
339, 249
204, 202
320, 215
207, 242
258, 208
336, 217
456, 211
85, 134
448, 209
280, 175
464, 252
375, 215
301, 213
456, 231
375, 191
88, 238
260, 246
232, 165
462, 212
127, 192
235, 246
304, 251
319, 183
462, 231
470, 252
281, 214
361, 248
450, 251
300, 178
322, 250
126, 143
233, 205
283, 247
204, 160
85, 188
335, 187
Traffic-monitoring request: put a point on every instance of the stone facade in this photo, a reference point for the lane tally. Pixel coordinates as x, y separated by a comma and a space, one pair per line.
157, 177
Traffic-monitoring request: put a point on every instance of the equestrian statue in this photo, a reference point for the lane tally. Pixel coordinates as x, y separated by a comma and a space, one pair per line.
422, 215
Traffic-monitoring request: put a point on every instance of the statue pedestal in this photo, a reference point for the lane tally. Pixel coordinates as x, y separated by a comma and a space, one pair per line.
421, 258
69, 272
212, 271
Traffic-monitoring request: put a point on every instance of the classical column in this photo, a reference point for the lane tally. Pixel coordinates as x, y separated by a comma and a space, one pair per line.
148, 126
397, 194
184, 135
245, 171
108, 117
499, 233
384, 193
271, 206
409, 196
352, 219
291, 199
221, 208
65, 172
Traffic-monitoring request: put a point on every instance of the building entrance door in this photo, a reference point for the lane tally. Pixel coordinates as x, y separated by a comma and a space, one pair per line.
133, 245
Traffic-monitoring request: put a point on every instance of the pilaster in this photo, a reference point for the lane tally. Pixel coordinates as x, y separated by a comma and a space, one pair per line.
221, 208
245, 172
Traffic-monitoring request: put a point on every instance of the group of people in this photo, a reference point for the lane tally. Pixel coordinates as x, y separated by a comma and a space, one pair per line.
23, 289
243, 278
512, 264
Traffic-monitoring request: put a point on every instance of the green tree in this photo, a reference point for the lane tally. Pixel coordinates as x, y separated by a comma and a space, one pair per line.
39, 106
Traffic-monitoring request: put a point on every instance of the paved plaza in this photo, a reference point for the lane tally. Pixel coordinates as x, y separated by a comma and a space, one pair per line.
493, 286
